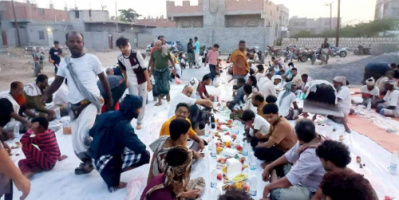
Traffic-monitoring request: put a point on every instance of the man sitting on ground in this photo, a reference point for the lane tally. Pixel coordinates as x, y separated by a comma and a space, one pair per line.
175, 182
261, 72
269, 88
344, 100
280, 139
34, 93
234, 194
380, 83
182, 112
271, 99
389, 105
179, 131
370, 93
285, 99
346, 186
40, 148
116, 147
305, 82
12, 106
305, 175
296, 78
206, 80
259, 126
335, 157
259, 101
185, 97
239, 96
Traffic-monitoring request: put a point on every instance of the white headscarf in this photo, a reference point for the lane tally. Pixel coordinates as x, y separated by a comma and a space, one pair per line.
340, 79
370, 82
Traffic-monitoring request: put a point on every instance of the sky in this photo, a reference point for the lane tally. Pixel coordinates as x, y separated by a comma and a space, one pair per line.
352, 11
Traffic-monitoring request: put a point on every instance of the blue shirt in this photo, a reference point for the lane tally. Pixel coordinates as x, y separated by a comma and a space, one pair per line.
197, 47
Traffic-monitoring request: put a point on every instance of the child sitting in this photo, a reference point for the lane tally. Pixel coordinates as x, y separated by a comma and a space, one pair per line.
40, 147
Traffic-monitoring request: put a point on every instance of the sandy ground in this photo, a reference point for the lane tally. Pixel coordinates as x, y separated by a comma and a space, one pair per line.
16, 65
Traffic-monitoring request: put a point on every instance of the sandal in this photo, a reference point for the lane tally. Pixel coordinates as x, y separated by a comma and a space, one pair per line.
158, 104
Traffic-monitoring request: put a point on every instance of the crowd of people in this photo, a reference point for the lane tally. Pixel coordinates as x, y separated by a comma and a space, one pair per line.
298, 162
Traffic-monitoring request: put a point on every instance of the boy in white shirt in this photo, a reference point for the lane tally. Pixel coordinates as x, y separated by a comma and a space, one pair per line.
259, 126
344, 100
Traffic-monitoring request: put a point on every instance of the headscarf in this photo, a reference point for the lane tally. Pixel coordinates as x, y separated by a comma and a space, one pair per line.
177, 177
340, 79
370, 82
129, 106
287, 91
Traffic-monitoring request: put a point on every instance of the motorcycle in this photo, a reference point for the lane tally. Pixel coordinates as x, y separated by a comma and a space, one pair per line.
322, 55
342, 52
274, 52
361, 50
295, 53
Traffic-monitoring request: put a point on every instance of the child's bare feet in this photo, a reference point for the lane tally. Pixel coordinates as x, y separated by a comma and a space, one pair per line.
122, 185
63, 157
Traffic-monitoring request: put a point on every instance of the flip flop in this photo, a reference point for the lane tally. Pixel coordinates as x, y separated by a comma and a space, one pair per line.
158, 104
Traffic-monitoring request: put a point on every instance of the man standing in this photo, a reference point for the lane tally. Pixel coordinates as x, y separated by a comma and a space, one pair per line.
135, 73
190, 53
239, 60
213, 59
326, 45
159, 67
85, 101
55, 56
197, 53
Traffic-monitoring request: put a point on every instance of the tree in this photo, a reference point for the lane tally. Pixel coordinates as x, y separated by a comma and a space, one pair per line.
128, 15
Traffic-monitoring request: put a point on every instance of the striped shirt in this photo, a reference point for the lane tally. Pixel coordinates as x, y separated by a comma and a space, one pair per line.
307, 170
47, 142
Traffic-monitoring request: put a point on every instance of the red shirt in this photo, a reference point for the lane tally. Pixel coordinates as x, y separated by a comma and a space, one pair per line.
202, 90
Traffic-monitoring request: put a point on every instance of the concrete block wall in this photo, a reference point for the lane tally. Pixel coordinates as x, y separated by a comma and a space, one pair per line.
344, 42
144, 39
227, 38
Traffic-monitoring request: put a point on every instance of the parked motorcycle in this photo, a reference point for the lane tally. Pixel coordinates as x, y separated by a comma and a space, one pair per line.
272, 51
342, 52
295, 53
322, 55
361, 50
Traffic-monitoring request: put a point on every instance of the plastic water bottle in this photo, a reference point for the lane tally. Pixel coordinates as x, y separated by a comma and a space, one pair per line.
393, 167
213, 151
369, 106
245, 148
253, 186
252, 161
214, 179
207, 130
58, 113
213, 123
16, 130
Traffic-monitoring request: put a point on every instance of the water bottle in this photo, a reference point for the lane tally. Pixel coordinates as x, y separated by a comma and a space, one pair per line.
245, 148
213, 151
16, 130
369, 106
393, 167
207, 130
214, 179
252, 161
253, 187
58, 113
213, 123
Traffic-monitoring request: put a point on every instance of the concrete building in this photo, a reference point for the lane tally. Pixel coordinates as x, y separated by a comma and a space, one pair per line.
227, 14
157, 22
316, 26
41, 26
387, 9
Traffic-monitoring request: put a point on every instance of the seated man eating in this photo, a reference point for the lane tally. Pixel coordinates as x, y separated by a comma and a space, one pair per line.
115, 147
179, 129
34, 93
259, 126
389, 105
280, 139
182, 112
285, 99
305, 176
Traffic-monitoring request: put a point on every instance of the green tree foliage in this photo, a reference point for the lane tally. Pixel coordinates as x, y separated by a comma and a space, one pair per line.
370, 29
128, 15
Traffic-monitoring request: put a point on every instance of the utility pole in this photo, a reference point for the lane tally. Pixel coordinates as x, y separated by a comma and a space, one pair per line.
116, 15
338, 23
331, 16
16, 24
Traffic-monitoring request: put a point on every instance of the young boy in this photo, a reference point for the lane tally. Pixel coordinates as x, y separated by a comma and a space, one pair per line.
259, 126
40, 147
